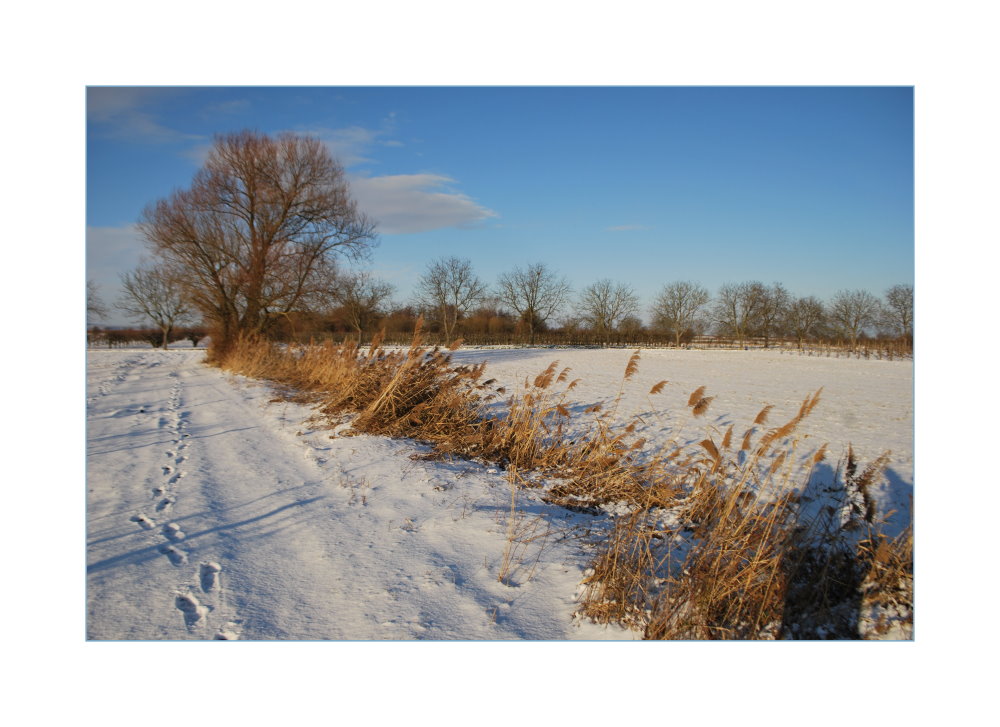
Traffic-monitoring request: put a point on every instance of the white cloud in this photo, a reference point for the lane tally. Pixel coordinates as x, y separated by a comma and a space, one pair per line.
120, 114
405, 203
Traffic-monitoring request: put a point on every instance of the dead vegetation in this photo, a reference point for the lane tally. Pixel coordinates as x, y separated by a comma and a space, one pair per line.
716, 541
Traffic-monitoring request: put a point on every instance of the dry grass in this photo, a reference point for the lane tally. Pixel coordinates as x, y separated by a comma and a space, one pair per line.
715, 542
742, 559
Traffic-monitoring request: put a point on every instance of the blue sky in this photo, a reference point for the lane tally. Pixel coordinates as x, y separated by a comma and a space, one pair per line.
810, 187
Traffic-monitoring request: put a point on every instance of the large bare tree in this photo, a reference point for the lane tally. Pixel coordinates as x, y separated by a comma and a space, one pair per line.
255, 234
852, 311
604, 304
362, 298
449, 289
677, 308
151, 293
535, 293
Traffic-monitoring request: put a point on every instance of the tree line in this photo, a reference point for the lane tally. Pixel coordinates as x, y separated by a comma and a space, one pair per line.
257, 245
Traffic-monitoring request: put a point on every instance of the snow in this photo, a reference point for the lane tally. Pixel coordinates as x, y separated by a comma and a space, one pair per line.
215, 511
867, 404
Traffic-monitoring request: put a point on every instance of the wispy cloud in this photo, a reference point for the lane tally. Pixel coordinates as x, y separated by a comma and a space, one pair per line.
626, 228
123, 113
406, 203
236, 106
110, 252
352, 145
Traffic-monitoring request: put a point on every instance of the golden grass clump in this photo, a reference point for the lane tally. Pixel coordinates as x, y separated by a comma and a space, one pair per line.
743, 560
617, 583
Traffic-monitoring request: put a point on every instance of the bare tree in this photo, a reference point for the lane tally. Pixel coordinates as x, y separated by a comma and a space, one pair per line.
449, 289
738, 309
805, 318
152, 293
259, 226
534, 293
774, 303
96, 310
362, 297
677, 308
899, 310
852, 311
605, 303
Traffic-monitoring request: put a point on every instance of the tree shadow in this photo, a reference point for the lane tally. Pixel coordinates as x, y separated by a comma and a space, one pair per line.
258, 526
823, 594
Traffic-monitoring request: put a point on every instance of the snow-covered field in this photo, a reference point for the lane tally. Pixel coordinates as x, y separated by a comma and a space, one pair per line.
867, 404
215, 512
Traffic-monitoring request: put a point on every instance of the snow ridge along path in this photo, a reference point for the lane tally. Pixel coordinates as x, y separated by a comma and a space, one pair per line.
215, 513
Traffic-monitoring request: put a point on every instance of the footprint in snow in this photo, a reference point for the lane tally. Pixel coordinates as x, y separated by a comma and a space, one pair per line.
143, 521
177, 556
229, 632
210, 575
193, 611
173, 531
167, 469
165, 504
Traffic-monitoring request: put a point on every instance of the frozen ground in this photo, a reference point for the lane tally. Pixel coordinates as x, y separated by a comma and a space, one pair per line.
213, 512
864, 403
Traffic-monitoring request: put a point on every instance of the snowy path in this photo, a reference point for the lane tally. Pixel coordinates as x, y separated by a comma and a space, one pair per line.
210, 516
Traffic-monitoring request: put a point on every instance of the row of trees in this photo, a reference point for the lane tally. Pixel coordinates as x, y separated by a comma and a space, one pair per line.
450, 293
532, 300
753, 310
255, 244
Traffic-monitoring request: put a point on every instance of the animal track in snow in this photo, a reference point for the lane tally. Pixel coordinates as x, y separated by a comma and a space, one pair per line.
173, 531
165, 504
209, 574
